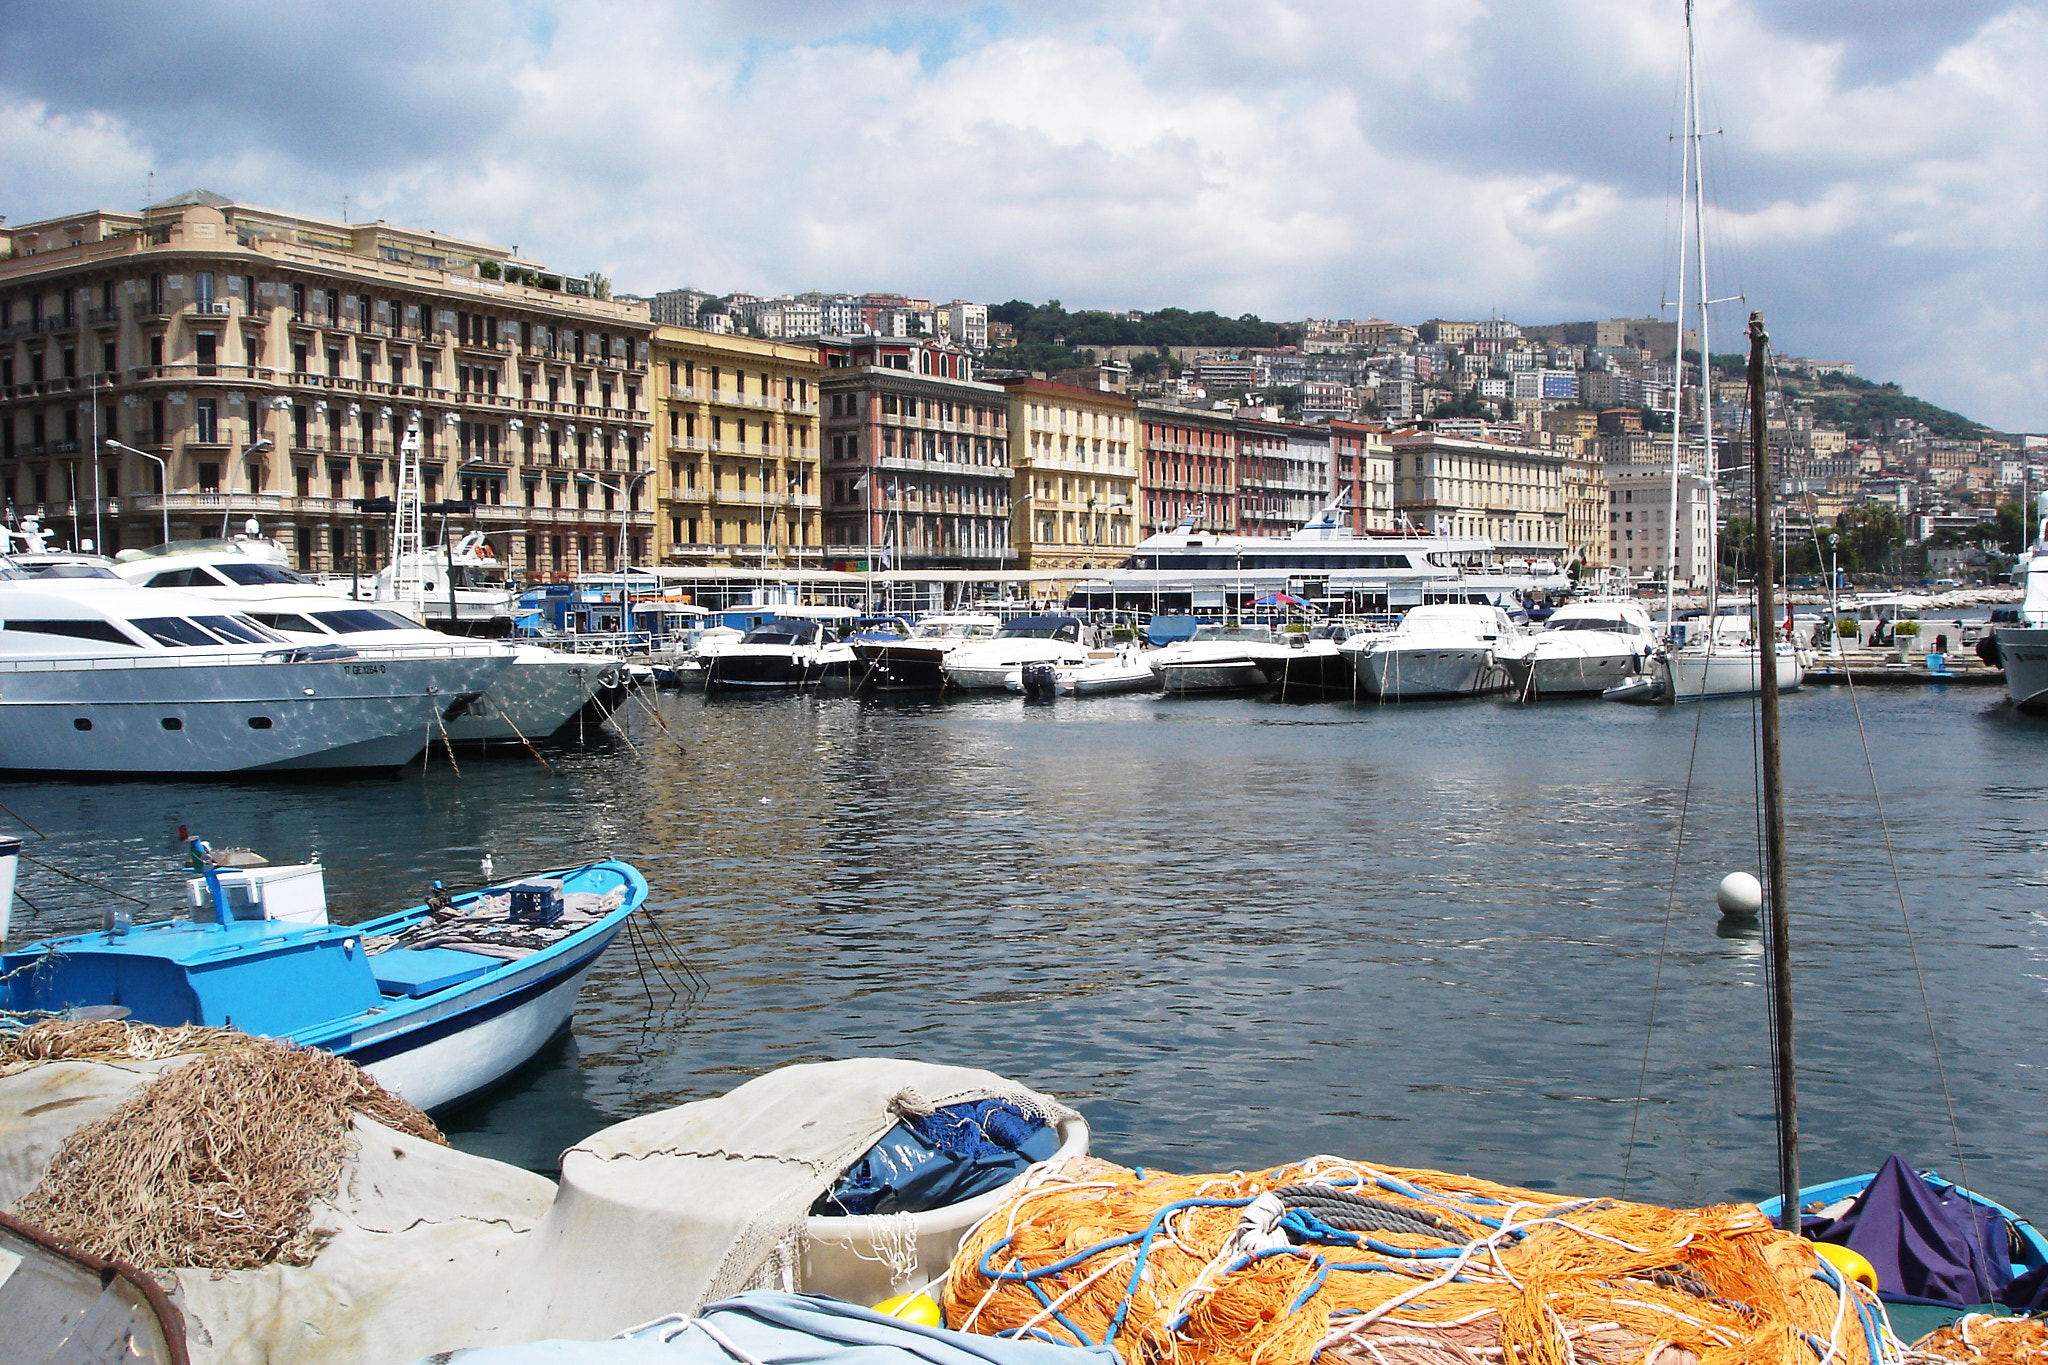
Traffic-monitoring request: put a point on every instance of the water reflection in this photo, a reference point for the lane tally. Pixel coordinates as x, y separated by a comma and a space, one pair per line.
1238, 932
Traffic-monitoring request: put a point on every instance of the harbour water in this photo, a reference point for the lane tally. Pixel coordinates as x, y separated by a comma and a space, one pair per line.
1236, 932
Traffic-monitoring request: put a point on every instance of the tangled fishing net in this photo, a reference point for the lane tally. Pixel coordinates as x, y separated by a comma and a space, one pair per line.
215, 1164
1342, 1262
63, 1040
1989, 1340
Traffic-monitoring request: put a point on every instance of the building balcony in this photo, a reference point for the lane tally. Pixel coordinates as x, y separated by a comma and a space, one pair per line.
148, 309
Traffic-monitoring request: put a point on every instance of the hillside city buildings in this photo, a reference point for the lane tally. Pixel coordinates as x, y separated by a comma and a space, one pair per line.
204, 361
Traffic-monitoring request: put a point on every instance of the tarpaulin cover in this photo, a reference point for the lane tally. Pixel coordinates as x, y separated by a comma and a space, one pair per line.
786, 1329
1928, 1244
929, 1161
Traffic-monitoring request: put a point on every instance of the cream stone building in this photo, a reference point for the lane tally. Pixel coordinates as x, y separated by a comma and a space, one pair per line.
252, 363
1511, 494
736, 450
1074, 504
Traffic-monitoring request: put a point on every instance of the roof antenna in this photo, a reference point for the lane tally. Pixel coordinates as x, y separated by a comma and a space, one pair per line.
149, 191
344, 208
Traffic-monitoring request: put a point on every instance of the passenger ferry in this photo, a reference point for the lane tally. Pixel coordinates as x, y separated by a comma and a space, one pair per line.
1188, 570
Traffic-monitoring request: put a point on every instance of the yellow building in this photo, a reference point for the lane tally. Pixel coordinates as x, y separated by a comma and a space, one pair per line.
1074, 501
736, 450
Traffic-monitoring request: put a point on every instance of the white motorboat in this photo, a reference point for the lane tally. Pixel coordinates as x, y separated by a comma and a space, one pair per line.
915, 664
783, 653
1585, 647
1220, 657
540, 692
1442, 650
1107, 671
1316, 663
97, 676
989, 664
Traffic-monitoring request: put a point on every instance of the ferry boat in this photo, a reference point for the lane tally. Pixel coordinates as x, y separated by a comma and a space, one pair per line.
1190, 570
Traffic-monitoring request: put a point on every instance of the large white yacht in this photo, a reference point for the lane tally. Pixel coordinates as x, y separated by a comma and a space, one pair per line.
97, 676
1440, 650
1585, 647
1189, 569
540, 692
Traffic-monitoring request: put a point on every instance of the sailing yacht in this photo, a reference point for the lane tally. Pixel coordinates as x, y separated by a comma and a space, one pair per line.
1715, 662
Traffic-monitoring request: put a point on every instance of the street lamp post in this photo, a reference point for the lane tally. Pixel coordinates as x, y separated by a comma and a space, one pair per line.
164, 489
227, 492
624, 497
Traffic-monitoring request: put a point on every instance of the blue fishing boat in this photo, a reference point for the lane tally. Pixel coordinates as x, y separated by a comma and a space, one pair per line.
1929, 1243
437, 1002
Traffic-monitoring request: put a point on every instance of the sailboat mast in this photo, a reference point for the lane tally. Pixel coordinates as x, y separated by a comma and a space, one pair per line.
1678, 344
1778, 922
1699, 239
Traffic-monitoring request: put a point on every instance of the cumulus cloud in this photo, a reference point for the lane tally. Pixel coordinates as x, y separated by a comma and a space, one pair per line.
1876, 168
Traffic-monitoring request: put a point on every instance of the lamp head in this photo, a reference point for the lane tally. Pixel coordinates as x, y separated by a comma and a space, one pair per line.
110, 445
257, 446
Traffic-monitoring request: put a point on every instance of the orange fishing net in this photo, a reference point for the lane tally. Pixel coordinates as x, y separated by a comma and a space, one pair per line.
1187, 1269
1975, 1337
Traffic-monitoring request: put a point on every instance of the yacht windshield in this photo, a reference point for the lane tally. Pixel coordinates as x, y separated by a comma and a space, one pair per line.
251, 575
174, 631
241, 630
1589, 623
362, 620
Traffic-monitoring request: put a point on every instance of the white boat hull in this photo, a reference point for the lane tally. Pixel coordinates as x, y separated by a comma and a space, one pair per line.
156, 715
989, 671
1405, 674
539, 693
2026, 665
447, 1069
1559, 675
1211, 675
1695, 675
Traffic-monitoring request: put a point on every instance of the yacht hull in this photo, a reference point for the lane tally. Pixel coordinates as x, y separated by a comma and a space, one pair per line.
153, 716
1695, 676
1399, 674
761, 668
1210, 675
2026, 665
1576, 674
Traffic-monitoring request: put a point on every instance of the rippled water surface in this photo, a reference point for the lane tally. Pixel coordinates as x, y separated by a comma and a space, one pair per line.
1237, 932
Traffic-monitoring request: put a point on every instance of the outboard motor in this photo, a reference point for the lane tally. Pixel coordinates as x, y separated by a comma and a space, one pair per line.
1041, 681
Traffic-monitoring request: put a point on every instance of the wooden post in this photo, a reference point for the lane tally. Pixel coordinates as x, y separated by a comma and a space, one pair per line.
1777, 922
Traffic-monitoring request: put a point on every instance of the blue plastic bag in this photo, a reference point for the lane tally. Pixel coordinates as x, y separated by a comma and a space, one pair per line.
929, 1161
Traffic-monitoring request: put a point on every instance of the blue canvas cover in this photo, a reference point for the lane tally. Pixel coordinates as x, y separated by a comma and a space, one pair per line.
1928, 1244
785, 1329
929, 1161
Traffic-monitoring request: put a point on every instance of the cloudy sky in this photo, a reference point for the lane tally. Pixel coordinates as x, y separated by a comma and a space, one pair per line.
1878, 166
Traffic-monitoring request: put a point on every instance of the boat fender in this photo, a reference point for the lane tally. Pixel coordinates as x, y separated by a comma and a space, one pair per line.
919, 1308
1848, 1263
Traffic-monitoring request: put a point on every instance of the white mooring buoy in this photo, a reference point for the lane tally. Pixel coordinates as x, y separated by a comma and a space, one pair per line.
1740, 896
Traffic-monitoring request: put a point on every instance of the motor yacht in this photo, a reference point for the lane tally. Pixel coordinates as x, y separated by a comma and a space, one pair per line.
1220, 657
1442, 650
1315, 662
915, 663
782, 653
987, 665
97, 676
540, 692
1585, 647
